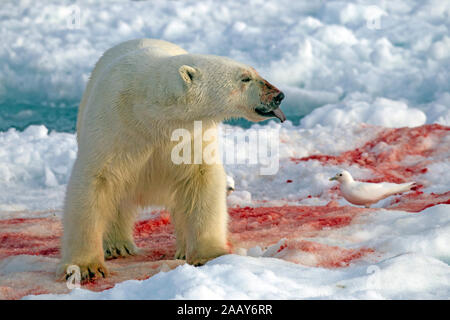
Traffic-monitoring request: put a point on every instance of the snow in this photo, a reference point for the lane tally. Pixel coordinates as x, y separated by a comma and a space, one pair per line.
36, 164
353, 111
367, 90
235, 277
35, 167
417, 267
317, 52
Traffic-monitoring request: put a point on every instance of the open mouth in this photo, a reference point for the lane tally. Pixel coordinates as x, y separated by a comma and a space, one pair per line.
277, 113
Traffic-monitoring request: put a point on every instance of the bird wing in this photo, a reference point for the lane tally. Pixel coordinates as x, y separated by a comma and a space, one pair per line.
369, 191
393, 188
380, 190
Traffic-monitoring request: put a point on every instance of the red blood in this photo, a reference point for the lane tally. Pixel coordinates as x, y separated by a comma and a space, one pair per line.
20, 220
266, 225
282, 248
146, 227
12, 244
33, 236
385, 154
157, 236
12, 221
418, 201
321, 255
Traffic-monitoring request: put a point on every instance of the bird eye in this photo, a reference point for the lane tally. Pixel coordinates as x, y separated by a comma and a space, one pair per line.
340, 175
246, 79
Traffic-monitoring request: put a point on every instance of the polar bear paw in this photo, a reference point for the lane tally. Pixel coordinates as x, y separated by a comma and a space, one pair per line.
180, 254
86, 272
201, 259
120, 249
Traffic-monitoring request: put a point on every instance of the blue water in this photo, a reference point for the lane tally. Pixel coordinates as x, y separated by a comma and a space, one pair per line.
20, 116
63, 118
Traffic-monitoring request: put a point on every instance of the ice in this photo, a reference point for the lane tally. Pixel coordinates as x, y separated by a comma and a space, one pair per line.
413, 264
382, 112
35, 167
237, 277
328, 49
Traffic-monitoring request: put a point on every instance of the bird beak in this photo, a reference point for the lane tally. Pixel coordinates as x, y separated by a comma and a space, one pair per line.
334, 178
229, 190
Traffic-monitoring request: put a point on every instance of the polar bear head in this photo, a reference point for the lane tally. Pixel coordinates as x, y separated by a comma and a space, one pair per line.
219, 88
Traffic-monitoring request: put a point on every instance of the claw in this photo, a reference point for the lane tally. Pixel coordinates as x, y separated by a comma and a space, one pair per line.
119, 249
91, 274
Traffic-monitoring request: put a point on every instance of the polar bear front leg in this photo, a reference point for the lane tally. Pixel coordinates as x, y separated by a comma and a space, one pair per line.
86, 213
206, 216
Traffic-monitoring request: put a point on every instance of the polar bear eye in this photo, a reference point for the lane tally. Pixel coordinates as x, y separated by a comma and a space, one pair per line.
246, 79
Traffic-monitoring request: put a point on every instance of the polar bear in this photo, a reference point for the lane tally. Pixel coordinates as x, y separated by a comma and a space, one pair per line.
139, 92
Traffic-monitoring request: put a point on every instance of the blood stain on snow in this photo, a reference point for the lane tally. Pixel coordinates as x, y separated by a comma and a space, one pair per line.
418, 201
385, 154
266, 225
396, 155
24, 236
248, 226
157, 236
321, 255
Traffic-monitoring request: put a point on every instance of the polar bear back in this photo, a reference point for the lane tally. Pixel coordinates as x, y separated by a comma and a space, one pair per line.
153, 47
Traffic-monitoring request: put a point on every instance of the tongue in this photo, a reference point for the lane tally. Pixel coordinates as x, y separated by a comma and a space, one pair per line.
279, 114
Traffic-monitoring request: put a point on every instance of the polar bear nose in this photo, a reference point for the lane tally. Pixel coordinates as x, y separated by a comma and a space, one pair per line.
277, 99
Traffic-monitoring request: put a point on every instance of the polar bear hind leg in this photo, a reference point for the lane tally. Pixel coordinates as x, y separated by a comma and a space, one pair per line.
118, 238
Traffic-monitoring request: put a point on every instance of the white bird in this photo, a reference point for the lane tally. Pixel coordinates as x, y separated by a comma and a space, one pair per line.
366, 193
230, 185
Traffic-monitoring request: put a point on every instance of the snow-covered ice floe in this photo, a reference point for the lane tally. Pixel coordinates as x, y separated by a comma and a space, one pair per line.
292, 233
409, 259
344, 54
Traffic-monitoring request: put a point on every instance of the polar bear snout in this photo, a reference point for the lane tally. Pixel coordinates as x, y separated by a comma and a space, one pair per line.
270, 105
278, 98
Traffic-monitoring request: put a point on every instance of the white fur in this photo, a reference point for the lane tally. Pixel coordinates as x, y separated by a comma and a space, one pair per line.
139, 92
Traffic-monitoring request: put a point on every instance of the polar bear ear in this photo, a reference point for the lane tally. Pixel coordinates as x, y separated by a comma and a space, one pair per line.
187, 73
